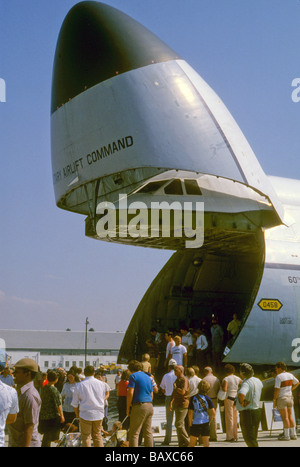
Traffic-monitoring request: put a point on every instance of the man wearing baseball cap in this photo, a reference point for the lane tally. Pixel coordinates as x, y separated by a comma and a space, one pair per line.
24, 432
8, 401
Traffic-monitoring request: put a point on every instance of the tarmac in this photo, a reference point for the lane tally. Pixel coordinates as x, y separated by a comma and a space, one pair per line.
265, 440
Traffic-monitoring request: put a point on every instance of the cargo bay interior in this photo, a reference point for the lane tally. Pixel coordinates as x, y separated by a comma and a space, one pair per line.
220, 279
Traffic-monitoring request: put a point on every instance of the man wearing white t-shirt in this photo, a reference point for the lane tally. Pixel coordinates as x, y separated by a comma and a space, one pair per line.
178, 352
285, 383
187, 341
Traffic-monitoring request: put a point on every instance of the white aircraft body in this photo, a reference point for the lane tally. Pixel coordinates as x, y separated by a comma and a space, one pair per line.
146, 150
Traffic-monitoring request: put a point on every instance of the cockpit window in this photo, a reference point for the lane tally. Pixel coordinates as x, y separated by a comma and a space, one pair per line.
174, 188
151, 187
192, 187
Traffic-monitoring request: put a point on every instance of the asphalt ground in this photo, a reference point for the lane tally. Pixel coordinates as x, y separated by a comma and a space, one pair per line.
265, 440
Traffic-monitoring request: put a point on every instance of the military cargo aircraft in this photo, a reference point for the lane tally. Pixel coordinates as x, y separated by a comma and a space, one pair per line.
151, 156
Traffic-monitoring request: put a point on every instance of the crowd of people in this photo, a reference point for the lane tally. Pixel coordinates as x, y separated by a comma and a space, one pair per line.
202, 345
37, 407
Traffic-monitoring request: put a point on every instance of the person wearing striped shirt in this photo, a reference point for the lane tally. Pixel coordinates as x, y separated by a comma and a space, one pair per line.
283, 400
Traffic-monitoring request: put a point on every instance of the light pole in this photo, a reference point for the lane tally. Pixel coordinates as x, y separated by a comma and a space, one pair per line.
85, 347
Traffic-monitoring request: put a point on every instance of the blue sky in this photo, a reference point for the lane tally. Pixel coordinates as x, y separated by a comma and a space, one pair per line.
51, 275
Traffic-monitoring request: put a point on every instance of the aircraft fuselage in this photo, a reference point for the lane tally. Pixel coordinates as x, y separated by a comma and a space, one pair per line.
132, 121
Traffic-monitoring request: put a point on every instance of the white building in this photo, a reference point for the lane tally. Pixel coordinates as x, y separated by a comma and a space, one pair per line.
52, 349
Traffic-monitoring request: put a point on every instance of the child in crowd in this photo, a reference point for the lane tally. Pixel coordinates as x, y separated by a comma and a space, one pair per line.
200, 414
117, 436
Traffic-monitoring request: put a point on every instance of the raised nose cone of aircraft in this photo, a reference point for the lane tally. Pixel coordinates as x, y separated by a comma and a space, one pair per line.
97, 42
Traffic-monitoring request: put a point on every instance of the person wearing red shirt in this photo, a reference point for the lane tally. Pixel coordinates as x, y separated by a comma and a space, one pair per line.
122, 398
